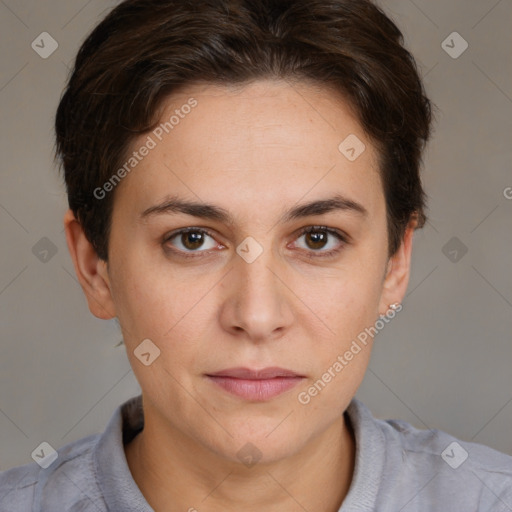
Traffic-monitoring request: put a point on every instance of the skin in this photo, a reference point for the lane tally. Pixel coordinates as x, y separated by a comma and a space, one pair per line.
255, 151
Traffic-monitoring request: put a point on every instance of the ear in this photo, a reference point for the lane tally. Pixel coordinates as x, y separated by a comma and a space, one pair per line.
398, 271
90, 270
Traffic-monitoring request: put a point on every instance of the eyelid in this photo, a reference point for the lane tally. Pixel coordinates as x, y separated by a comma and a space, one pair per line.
333, 231
189, 229
341, 235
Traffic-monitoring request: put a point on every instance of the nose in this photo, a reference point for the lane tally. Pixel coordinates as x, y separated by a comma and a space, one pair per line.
257, 304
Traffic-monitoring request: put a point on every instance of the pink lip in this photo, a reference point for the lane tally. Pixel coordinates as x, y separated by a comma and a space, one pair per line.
256, 385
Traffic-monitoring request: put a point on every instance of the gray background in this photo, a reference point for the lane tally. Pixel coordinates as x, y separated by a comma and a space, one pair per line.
444, 362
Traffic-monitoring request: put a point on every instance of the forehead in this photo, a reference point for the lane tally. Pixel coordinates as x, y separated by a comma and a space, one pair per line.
265, 112
270, 142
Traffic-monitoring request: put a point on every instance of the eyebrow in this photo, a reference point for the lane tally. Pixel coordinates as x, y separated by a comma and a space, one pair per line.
175, 205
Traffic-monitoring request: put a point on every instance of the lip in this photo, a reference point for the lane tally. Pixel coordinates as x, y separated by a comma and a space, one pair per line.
256, 385
247, 373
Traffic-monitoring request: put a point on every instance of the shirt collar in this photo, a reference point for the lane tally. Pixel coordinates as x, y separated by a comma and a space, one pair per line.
370, 458
112, 472
122, 493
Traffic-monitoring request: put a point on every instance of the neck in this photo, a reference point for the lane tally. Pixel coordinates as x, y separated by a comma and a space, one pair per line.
174, 473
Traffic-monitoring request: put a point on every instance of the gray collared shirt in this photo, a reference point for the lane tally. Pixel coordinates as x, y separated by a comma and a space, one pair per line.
398, 468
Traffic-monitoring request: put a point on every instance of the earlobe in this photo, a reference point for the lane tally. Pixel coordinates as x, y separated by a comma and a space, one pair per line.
90, 270
398, 272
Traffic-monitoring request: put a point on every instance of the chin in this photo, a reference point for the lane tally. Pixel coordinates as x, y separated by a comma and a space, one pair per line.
259, 442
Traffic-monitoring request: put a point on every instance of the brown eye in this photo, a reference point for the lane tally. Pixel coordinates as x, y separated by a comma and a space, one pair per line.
317, 238
190, 240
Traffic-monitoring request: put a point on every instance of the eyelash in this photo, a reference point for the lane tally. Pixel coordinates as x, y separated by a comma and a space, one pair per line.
310, 229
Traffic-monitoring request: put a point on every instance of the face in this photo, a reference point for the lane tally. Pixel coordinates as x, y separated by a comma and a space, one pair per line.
246, 286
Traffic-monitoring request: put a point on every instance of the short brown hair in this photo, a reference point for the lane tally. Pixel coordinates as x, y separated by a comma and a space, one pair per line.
144, 50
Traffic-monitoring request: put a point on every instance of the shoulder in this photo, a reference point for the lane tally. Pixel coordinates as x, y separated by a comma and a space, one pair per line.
441, 445
17, 487
67, 483
436, 466
401, 467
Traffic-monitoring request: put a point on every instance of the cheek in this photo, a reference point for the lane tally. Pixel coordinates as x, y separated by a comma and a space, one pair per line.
349, 301
165, 305
143, 303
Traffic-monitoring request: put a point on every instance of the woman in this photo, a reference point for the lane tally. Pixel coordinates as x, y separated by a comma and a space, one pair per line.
243, 182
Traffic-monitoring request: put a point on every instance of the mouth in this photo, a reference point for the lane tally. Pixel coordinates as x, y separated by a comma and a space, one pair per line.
256, 385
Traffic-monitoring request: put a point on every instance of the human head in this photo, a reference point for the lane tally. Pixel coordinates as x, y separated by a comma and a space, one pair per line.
145, 50
257, 134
